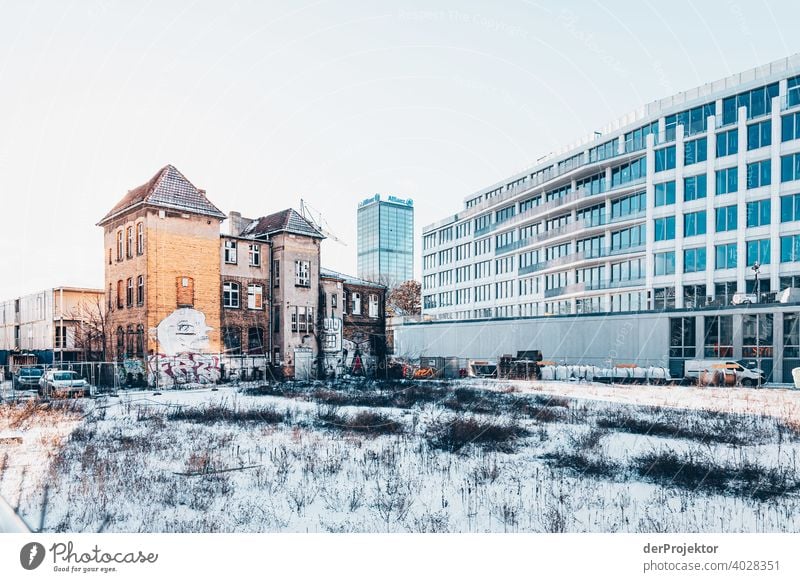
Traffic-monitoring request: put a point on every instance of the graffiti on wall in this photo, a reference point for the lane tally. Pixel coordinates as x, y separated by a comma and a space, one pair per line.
167, 370
184, 331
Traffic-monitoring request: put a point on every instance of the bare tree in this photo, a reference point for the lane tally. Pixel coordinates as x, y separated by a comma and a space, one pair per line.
91, 328
405, 299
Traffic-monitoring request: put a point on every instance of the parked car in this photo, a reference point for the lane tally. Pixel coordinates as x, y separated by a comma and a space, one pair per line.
744, 298
26, 379
63, 383
741, 372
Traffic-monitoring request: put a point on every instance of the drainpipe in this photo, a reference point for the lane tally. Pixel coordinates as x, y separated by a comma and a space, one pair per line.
271, 312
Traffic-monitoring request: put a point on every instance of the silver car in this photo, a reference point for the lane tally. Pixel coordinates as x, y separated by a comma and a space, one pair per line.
63, 383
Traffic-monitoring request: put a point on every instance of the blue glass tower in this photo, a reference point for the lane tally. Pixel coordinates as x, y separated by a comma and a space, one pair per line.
386, 240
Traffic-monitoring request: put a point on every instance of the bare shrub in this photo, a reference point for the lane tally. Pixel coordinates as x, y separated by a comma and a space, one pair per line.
214, 413
456, 433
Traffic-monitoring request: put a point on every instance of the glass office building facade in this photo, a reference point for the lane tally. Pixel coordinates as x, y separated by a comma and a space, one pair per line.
671, 207
386, 240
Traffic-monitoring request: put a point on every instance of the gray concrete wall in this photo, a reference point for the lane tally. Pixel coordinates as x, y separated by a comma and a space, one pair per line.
625, 338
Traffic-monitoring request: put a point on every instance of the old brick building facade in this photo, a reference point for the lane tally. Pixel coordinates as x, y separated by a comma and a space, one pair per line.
189, 301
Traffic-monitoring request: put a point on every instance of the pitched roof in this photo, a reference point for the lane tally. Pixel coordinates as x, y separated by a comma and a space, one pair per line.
287, 220
167, 189
331, 274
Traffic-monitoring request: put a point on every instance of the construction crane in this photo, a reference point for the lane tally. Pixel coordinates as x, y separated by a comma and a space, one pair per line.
318, 221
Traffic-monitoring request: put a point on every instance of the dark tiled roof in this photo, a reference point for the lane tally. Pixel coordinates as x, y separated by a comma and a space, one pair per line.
331, 274
167, 189
284, 221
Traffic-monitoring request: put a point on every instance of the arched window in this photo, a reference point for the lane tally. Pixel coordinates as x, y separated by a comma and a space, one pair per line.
140, 239
130, 243
140, 340
131, 338
120, 343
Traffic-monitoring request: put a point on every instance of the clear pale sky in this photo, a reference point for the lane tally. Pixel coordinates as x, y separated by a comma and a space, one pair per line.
262, 103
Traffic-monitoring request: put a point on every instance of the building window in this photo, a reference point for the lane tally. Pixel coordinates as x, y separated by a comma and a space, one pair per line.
694, 260
790, 167
791, 335
790, 207
727, 181
276, 319
140, 238
759, 135
726, 218
665, 159
694, 296
356, 304
725, 256
682, 337
276, 273
255, 297
334, 300
140, 340
185, 291
790, 248
757, 335
131, 337
757, 101
120, 343
694, 188
758, 213
664, 193
758, 250
120, 294
120, 246
302, 274
140, 290
61, 337
130, 242
664, 228
230, 295
664, 263
255, 255
695, 151
727, 143
694, 223
373, 305
664, 298
232, 339
230, 252
129, 293
255, 341
790, 127
718, 342
758, 174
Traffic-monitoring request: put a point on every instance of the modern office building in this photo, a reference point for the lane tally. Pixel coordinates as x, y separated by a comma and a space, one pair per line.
678, 206
386, 240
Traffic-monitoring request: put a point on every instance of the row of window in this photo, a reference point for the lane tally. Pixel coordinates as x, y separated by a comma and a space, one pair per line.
129, 293
231, 253
132, 238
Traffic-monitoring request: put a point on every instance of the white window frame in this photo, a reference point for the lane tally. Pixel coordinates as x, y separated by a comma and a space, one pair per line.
255, 255
356, 303
233, 299
373, 309
139, 238
302, 273
230, 252
255, 297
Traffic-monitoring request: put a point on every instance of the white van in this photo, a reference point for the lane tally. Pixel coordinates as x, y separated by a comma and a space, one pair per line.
744, 375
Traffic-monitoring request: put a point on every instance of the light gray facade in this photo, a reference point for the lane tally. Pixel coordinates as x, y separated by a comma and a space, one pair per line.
668, 208
768, 335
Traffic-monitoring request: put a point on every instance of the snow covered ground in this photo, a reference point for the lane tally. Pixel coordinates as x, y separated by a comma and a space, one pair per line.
470, 456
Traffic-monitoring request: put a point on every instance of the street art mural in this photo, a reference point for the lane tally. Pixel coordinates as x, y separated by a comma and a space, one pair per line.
181, 336
169, 371
184, 331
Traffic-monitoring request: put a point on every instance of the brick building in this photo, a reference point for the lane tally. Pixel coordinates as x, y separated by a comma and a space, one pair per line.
194, 295
353, 320
162, 278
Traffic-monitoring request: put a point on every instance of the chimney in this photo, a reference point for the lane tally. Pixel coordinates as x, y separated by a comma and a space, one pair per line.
237, 223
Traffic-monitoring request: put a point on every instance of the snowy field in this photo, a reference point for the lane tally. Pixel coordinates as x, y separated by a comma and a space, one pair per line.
466, 456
